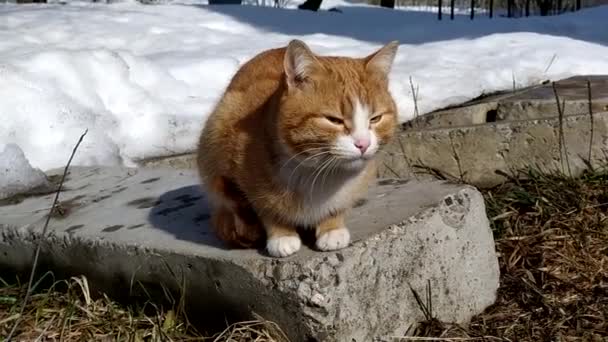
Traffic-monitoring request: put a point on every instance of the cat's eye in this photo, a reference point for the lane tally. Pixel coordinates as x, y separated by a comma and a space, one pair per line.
375, 119
334, 120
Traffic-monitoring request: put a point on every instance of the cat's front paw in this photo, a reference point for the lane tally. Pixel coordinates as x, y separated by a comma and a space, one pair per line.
333, 239
283, 246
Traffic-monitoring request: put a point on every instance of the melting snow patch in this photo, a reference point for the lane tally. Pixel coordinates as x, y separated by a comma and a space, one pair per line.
16, 174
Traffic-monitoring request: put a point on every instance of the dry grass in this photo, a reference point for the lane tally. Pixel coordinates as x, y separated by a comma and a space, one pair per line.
67, 312
551, 235
552, 238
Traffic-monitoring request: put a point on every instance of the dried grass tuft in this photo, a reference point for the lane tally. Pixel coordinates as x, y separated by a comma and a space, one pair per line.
551, 235
552, 239
66, 311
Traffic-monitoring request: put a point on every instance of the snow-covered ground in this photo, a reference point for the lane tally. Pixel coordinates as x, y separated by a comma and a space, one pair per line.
142, 78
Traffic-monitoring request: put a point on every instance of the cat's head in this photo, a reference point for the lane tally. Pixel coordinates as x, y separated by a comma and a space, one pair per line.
336, 108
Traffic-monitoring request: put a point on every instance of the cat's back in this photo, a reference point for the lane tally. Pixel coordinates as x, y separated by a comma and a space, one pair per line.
261, 73
248, 91
237, 116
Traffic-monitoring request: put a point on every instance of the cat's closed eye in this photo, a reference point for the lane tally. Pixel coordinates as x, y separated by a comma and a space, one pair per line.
375, 119
334, 120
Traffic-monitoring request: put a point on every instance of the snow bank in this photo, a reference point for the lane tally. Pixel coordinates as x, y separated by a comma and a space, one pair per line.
16, 173
142, 79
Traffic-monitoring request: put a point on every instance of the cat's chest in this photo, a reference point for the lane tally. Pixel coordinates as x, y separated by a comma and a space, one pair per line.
323, 196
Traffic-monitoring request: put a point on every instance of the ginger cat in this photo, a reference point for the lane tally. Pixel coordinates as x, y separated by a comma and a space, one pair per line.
292, 144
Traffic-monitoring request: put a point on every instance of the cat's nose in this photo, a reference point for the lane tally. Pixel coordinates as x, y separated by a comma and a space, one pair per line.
362, 144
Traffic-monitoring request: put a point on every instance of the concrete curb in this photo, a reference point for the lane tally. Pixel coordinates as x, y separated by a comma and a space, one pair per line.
475, 153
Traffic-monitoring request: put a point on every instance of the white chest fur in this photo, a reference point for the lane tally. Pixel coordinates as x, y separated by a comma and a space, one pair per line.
321, 193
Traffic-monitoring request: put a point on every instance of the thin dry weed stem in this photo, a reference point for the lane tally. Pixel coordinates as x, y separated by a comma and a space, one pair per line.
415, 97
591, 122
456, 158
563, 149
44, 231
553, 58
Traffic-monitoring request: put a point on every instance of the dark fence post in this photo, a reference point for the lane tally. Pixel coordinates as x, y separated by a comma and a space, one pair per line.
311, 5
387, 3
491, 8
472, 9
509, 9
527, 8
452, 9
440, 12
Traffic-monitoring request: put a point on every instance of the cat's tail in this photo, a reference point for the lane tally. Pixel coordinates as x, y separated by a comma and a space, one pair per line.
234, 231
234, 221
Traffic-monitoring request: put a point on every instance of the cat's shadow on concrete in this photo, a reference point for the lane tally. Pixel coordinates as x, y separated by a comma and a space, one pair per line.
185, 213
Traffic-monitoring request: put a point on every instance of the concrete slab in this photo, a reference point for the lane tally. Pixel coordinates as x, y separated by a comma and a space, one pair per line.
476, 153
535, 102
124, 226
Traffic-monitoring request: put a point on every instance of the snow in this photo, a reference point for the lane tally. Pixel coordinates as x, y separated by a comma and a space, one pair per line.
142, 78
18, 176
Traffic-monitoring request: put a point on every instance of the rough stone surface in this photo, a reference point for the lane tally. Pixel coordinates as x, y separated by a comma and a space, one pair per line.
124, 226
535, 102
185, 161
475, 153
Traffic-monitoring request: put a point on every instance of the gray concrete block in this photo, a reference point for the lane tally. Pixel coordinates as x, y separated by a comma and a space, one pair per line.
530, 103
122, 226
475, 153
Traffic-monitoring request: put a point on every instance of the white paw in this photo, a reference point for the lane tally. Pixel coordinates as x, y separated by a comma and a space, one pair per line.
333, 239
283, 246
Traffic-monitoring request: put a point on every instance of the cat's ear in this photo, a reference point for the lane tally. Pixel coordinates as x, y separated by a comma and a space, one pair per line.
382, 60
298, 62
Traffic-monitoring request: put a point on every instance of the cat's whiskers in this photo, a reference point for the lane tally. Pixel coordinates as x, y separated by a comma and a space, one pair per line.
318, 172
331, 168
302, 162
322, 146
299, 153
383, 152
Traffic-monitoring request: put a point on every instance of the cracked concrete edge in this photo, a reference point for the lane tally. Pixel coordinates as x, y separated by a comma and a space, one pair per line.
214, 287
382, 262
